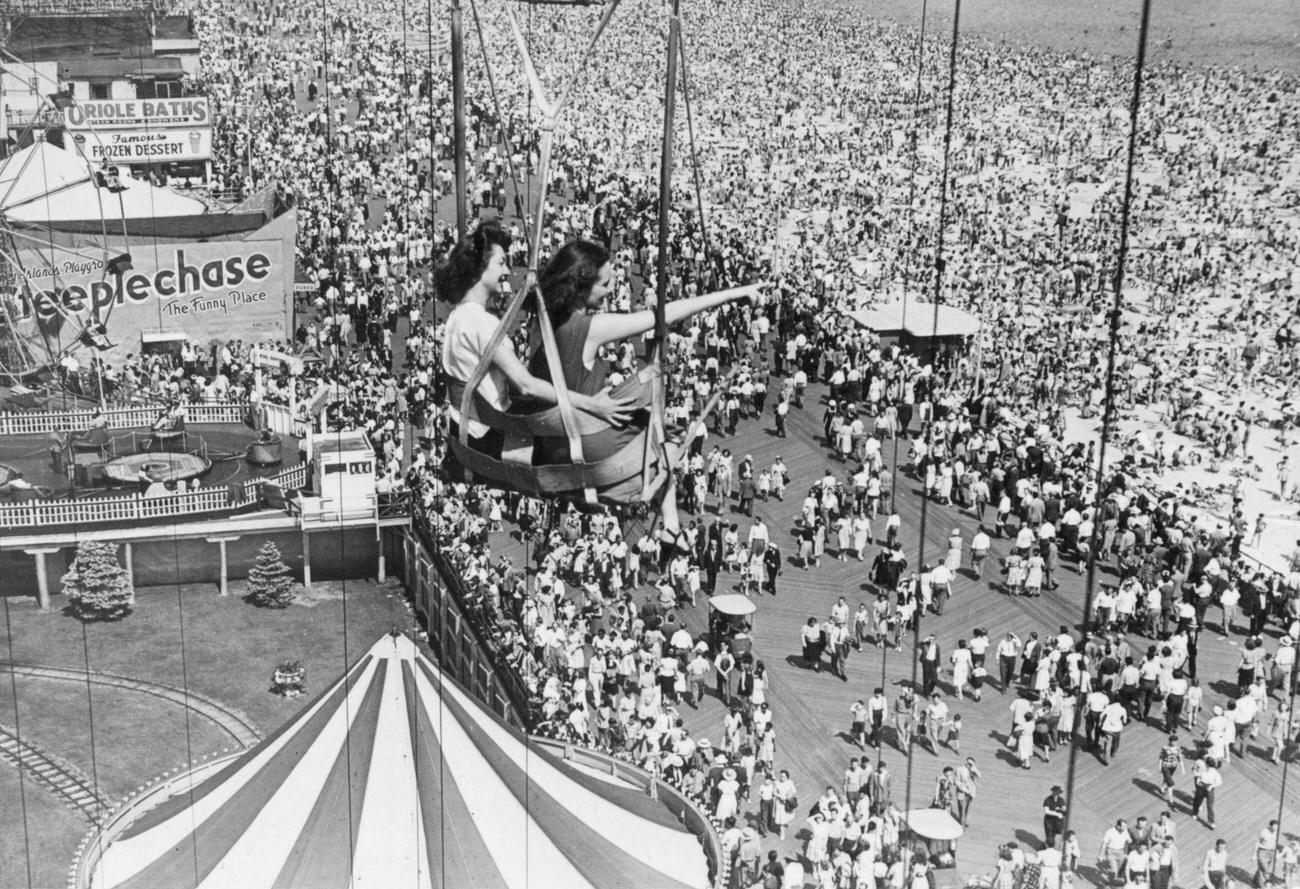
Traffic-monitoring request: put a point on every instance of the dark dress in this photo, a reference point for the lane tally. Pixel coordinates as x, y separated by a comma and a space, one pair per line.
570, 338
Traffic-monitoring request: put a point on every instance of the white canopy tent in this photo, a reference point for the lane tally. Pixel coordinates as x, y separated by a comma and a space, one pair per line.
44, 185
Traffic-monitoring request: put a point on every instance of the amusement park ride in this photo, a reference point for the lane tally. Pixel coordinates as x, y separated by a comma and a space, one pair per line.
32, 342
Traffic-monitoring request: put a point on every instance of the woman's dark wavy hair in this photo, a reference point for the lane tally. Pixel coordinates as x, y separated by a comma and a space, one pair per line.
465, 263
567, 280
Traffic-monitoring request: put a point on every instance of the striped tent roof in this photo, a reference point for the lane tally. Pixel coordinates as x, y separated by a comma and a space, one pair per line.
395, 777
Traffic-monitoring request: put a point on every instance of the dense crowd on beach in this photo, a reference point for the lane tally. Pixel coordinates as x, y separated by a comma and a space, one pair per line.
821, 173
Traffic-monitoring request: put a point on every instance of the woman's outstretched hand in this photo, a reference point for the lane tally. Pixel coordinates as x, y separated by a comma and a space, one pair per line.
750, 292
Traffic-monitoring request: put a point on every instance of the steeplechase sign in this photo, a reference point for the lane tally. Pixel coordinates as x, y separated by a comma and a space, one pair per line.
208, 291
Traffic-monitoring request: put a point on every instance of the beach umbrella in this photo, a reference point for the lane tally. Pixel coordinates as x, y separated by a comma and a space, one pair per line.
934, 824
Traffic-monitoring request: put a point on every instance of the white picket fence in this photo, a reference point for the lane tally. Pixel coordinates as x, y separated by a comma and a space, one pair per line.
41, 422
135, 507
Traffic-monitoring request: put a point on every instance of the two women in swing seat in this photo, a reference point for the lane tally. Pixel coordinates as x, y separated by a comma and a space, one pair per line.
573, 283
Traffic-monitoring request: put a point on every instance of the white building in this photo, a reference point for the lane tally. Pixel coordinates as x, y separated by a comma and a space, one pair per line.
24, 91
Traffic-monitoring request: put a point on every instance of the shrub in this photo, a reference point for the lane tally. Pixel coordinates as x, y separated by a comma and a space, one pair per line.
97, 587
270, 583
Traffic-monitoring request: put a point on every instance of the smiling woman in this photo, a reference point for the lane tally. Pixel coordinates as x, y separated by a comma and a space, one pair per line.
469, 277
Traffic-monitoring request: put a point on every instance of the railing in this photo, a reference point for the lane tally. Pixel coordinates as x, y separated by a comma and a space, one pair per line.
278, 419
696, 821
82, 7
36, 117
41, 422
439, 598
462, 649
135, 507
100, 838
393, 506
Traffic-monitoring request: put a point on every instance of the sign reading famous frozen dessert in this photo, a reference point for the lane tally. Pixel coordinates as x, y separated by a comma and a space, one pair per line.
141, 130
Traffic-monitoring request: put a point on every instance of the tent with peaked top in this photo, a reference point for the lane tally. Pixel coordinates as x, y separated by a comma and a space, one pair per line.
395, 777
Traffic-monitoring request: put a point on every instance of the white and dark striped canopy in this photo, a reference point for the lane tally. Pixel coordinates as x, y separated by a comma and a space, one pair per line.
395, 777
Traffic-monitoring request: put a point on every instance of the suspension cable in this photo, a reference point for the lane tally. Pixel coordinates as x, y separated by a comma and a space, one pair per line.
18, 735
1108, 417
327, 34
939, 235
695, 159
504, 126
911, 216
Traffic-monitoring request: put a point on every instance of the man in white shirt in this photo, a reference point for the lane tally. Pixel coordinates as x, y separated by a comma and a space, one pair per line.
1208, 780
1008, 650
1113, 719
1114, 847
1097, 702
940, 586
979, 550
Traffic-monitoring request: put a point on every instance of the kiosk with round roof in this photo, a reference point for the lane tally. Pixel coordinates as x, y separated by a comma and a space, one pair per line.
731, 620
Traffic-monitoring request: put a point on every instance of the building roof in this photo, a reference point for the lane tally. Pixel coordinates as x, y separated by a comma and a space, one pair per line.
175, 27
343, 443
96, 68
918, 319
395, 776
53, 38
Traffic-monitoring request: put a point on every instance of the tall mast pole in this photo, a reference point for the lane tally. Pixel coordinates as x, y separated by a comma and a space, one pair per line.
665, 178
458, 106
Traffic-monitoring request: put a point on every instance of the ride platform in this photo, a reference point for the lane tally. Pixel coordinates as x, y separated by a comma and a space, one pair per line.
226, 445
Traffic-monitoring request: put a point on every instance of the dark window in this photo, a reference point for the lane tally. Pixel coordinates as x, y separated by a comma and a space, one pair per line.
99, 91
159, 89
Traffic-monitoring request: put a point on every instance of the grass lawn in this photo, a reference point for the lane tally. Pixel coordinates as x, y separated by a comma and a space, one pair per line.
230, 650
136, 736
53, 832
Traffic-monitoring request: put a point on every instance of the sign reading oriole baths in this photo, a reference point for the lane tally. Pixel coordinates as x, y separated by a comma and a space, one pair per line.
210, 291
138, 114
141, 131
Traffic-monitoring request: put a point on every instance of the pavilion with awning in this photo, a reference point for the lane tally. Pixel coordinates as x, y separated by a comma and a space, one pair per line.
914, 325
395, 776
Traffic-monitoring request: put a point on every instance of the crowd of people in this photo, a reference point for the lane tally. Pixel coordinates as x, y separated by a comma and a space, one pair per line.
815, 177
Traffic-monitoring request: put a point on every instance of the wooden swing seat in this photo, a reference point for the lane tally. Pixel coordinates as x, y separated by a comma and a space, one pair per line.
617, 479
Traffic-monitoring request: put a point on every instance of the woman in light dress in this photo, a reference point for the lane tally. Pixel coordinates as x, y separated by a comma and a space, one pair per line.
952, 561
782, 796
1034, 576
1024, 741
844, 537
1004, 875
727, 789
759, 694
1015, 575
961, 667
861, 535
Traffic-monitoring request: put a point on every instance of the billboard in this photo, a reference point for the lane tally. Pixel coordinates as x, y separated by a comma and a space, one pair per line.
138, 114
142, 147
141, 131
210, 291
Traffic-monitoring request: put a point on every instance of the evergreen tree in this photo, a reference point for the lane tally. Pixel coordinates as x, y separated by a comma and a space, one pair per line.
270, 583
97, 587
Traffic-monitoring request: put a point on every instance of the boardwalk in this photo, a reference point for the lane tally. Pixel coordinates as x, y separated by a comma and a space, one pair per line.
812, 709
